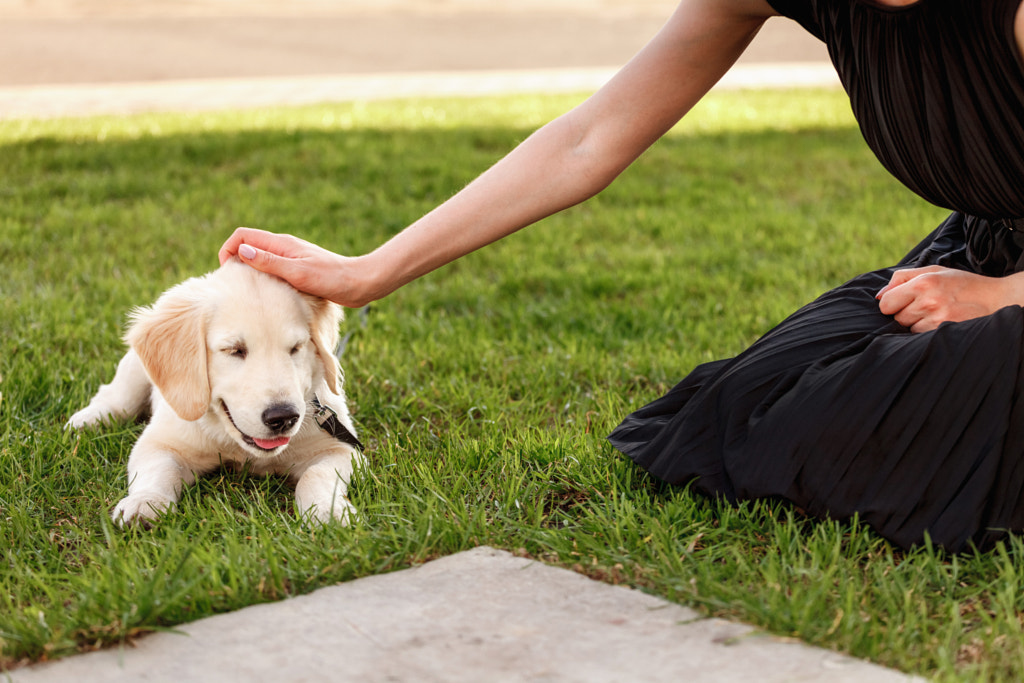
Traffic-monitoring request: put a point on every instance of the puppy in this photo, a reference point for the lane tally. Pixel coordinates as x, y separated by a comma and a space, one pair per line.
235, 368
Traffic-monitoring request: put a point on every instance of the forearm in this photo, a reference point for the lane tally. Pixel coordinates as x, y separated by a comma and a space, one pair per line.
579, 154
1013, 290
551, 170
562, 164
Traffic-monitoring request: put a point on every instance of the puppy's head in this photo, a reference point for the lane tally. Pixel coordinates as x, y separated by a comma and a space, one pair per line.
242, 346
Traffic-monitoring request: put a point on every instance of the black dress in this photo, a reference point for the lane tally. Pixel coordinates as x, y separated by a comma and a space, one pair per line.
840, 409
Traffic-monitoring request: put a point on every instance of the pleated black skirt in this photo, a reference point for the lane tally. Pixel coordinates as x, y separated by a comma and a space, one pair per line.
843, 411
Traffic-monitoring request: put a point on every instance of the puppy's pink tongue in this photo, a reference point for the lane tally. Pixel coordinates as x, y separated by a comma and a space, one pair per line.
271, 444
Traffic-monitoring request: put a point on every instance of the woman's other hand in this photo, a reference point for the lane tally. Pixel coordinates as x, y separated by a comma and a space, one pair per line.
924, 298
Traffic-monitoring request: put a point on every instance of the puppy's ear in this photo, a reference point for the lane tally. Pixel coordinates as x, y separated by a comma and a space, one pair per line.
327, 316
170, 339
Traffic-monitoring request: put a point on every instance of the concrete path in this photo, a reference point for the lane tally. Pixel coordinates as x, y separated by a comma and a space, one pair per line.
481, 615
81, 57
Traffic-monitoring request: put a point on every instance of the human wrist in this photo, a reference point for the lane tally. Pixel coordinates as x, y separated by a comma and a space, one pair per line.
1013, 290
362, 281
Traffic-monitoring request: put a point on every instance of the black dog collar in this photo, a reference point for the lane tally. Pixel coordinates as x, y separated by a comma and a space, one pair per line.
328, 421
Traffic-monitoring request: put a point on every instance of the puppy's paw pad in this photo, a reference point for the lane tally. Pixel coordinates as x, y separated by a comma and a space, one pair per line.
141, 508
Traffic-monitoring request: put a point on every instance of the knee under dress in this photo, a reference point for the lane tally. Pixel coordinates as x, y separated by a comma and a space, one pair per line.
840, 409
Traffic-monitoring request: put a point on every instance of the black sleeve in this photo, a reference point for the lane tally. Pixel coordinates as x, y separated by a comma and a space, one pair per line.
802, 11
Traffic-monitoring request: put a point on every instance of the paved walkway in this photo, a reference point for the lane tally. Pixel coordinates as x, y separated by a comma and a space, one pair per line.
81, 57
478, 616
482, 615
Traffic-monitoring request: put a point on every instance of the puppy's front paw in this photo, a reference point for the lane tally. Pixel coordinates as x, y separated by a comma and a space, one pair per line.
89, 416
320, 491
340, 511
142, 507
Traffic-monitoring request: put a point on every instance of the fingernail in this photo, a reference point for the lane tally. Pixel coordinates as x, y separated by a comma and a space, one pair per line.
246, 252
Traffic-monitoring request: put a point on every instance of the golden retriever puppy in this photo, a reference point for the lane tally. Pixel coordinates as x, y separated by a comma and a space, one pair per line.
235, 368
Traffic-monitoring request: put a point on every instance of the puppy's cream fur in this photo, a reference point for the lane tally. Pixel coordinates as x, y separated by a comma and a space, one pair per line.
228, 365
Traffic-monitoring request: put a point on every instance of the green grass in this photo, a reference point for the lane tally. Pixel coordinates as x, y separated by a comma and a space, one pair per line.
483, 391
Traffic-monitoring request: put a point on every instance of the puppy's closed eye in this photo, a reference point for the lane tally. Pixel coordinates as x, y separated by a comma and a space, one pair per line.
238, 351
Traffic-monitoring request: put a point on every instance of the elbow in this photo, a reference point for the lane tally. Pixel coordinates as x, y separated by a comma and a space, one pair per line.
591, 161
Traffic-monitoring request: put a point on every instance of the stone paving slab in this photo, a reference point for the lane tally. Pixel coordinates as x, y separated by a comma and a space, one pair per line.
480, 615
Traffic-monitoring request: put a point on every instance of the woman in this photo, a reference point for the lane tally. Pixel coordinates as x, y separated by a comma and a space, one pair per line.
895, 396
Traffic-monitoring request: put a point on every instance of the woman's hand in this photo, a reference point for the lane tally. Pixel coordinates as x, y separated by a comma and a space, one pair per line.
923, 298
304, 265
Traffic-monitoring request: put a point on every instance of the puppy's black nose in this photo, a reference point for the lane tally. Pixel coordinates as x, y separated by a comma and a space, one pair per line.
280, 417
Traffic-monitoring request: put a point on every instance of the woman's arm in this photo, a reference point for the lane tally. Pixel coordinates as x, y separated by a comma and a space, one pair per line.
565, 162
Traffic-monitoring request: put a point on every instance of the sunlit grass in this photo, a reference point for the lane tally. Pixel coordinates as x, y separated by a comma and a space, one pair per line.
483, 391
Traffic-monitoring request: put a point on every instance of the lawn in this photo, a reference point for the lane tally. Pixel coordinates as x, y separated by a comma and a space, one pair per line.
483, 391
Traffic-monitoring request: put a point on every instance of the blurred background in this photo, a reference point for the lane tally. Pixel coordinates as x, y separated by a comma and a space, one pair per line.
97, 42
